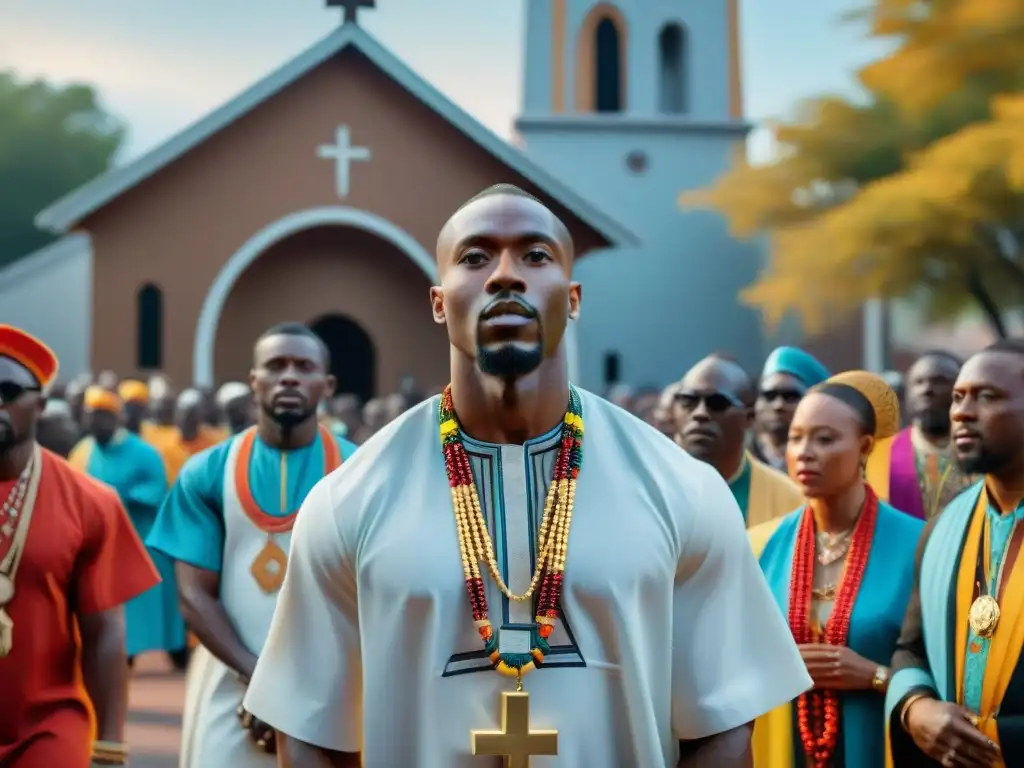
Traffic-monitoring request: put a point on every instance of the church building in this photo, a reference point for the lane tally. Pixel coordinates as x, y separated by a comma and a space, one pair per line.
317, 195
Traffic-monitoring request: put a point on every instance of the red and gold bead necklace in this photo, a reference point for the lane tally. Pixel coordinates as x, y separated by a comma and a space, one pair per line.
476, 548
818, 710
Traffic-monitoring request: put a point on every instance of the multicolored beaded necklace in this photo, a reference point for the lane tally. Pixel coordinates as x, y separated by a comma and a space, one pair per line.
817, 710
475, 544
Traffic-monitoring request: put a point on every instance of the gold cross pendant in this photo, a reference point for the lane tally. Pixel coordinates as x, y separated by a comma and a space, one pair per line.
515, 741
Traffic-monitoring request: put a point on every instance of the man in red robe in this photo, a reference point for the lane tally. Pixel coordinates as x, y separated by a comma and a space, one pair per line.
69, 559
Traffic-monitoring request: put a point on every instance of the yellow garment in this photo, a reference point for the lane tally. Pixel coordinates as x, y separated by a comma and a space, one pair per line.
772, 494
760, 534
770, 752
168, 443
877, 470
80, 454
1005, 647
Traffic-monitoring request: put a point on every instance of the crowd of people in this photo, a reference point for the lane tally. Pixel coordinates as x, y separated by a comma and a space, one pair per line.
794, 568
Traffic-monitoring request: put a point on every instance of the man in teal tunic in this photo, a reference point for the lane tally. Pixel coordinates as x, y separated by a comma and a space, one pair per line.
227, 523
133, 468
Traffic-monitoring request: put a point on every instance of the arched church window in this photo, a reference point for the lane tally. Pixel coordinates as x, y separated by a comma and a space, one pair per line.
150, 321
672, 66
607, 67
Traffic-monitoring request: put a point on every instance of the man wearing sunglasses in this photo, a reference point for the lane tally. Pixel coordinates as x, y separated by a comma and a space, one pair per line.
69, 560
713, 411
788, 374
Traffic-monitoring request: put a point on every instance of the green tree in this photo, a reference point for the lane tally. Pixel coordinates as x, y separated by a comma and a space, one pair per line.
52, 139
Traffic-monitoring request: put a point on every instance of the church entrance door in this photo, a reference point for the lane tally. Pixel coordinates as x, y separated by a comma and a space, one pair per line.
353, 356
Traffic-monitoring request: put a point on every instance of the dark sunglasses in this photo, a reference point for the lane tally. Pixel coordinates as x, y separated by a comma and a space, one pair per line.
788, 396
715, 402
10, 391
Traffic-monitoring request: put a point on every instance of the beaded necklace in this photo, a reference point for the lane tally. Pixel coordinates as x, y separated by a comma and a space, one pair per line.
817, 710
475, 545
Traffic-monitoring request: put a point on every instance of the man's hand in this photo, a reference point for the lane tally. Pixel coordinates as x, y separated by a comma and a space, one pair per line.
838, 668
944, 731
262, 735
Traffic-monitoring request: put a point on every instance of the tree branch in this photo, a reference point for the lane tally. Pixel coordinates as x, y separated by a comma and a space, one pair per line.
976, 288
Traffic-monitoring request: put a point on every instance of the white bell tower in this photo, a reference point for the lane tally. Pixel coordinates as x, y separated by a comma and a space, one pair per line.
633, 102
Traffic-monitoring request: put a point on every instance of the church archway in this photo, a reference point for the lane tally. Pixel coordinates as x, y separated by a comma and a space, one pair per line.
284, 228
353, 354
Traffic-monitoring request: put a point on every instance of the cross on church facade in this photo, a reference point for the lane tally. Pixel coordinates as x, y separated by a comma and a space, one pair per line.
515, 741
343, 154
351, 8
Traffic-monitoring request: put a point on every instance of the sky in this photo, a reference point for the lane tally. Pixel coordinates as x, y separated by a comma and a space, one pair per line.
162, 64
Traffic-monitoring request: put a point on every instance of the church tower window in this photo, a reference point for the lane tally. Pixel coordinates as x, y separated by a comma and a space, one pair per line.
672, 65
607, 67
150, 320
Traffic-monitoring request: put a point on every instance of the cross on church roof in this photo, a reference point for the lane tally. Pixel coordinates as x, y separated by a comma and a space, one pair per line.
351, 8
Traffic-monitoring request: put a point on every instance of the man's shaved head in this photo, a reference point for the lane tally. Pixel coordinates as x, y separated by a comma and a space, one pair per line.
493, 192
733, 374
506, 291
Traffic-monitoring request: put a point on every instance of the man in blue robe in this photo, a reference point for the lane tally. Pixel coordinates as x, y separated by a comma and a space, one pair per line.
227, 523
124, 461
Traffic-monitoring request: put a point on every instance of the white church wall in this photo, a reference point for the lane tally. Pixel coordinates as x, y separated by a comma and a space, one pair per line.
49, 294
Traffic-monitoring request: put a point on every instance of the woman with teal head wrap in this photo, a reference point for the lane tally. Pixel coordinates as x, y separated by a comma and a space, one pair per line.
787, 375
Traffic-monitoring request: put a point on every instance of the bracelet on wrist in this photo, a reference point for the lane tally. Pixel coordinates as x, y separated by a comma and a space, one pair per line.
905, 709
109, 753
880, 681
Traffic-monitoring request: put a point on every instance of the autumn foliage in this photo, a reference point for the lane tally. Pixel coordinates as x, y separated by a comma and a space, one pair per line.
918, 189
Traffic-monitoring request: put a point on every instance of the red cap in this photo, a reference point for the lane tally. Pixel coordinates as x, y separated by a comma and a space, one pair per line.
30, 352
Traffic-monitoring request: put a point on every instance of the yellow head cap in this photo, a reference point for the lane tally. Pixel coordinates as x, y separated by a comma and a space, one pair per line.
883, 399
132, 391
100, 399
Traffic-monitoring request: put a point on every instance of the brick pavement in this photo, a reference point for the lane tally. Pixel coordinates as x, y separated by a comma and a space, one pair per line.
154, 720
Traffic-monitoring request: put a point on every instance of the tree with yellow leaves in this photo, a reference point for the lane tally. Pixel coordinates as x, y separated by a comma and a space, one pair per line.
921, 187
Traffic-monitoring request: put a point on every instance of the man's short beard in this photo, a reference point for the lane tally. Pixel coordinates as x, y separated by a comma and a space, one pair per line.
934, 422
509, 361
984, 462
289, 420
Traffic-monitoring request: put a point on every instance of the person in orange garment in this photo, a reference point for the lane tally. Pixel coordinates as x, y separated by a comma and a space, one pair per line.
69, 560
196, 435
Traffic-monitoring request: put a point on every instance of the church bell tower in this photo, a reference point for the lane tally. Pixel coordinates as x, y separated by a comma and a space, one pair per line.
633, 58
633, 102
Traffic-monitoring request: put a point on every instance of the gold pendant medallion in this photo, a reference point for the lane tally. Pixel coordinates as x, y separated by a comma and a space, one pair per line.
984, 616
269, 567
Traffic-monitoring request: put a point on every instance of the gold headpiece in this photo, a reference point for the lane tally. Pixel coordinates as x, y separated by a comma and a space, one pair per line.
881, 396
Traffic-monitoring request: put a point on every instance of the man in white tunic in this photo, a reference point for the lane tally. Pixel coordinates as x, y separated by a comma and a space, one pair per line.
664, 643
227, 523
